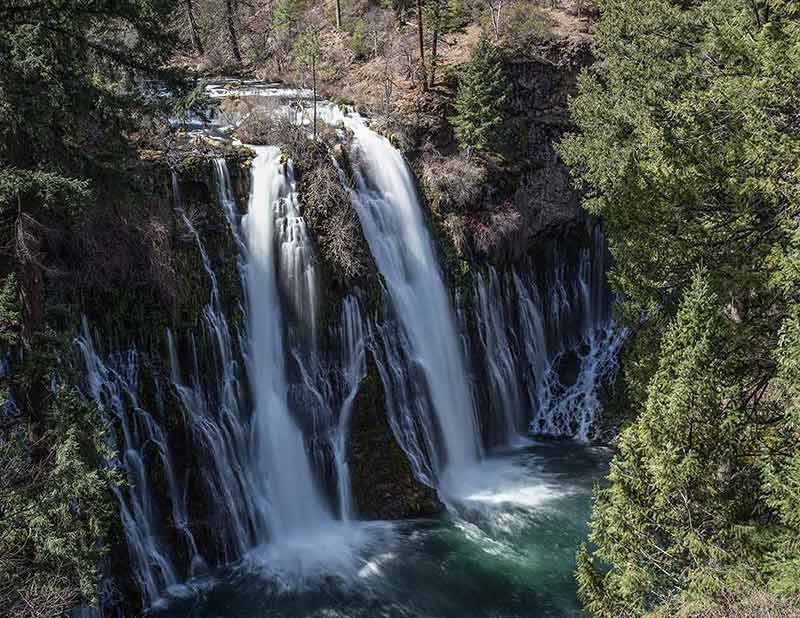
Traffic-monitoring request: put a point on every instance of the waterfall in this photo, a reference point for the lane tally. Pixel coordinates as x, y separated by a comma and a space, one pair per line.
405, 397
395, 229
266, 412
278, 448
585, 330
536, 330
505, 390
297, 275
354, 369
114, 387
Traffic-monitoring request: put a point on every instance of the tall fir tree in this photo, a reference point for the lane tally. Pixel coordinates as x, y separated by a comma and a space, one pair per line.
481, 100
679, 521
689, 148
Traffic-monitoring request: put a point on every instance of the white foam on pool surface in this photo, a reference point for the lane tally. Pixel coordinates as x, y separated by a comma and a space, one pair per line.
344, 550
498, 482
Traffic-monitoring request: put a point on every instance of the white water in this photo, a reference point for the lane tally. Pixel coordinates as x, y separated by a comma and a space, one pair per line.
278, 446
114, 387
263, 467
354, 369
391, 217
505, 392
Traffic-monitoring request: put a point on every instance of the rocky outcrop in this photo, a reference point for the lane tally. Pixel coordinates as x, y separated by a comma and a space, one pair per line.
540, 90
383, 485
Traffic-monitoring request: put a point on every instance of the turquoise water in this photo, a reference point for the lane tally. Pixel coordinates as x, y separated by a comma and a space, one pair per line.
505, 549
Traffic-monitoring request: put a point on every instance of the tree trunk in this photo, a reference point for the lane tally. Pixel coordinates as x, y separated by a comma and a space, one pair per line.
193, 30
421, 35
339, 14
495, 7
232, 30
435, 41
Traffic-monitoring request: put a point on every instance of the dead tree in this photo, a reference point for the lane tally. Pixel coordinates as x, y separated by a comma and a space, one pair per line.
421, 37
193, 29
229, 18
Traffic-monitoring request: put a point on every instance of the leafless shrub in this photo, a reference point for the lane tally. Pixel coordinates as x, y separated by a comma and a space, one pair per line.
161, 265
119, 253
494, 229
331, 216
43, 599
456, 182
261, 125
455, 226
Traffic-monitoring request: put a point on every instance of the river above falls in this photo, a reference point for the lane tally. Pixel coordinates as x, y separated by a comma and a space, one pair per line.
505, 549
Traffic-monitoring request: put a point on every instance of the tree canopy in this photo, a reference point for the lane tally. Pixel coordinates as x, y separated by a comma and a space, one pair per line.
689, 149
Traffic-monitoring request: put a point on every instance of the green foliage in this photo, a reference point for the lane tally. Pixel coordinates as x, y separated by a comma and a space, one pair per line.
55, 506
689, 141
10, 312
689, 149
67, 95
681, 510
520, 28
308, 48
782, 468
286, 14
359, 42
481, 100
71, 97
446, 16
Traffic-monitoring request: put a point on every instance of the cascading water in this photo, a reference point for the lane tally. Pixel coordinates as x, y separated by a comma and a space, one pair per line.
505, 393
354, 369
268, 411
278, 447
535, 331
114, 387
395, 229
252, 454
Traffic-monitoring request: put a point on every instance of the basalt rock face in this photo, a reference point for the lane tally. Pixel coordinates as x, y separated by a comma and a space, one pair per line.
383, 483
501, 209
539, 106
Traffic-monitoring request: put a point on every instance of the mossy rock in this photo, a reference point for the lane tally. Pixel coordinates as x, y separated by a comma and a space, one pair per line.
384, 486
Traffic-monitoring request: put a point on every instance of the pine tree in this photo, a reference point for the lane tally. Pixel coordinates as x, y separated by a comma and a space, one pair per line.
689, 149
782, 468
679, 519
481, 99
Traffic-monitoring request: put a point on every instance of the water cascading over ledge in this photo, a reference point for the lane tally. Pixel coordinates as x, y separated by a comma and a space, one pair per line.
546, 342
246, 472
266, 401
524, 328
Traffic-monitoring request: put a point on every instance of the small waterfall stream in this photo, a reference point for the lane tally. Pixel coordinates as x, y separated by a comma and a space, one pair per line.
278, 449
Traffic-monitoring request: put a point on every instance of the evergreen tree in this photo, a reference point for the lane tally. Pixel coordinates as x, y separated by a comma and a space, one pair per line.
689, 148
679, 520
69, 93
72, 91
689, 143
782, 465
481, 99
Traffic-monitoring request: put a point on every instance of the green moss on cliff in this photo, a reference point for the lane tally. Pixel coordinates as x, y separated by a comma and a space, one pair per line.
384, 486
